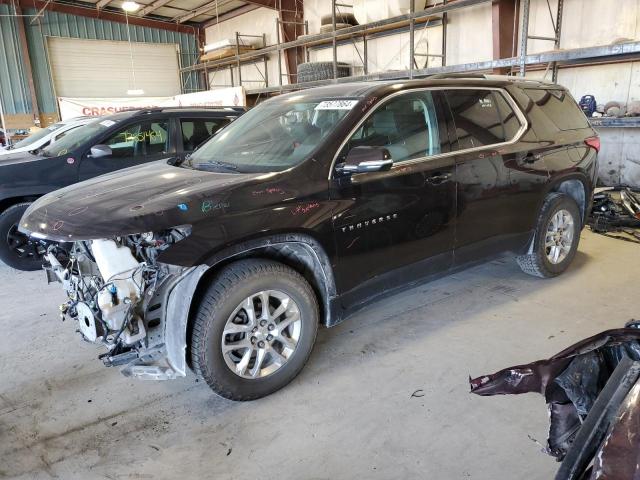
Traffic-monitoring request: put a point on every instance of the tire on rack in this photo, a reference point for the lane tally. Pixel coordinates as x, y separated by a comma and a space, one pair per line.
242, 350
314, 71
348, 19
329, 28
15, 249
556, 237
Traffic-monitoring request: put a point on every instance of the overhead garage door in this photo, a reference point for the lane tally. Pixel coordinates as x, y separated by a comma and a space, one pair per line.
100, 68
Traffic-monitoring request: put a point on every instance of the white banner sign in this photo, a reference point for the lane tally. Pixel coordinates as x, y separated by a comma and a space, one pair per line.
221, 97
94, 107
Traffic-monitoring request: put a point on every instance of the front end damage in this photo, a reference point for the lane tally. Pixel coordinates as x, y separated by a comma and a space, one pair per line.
122, 298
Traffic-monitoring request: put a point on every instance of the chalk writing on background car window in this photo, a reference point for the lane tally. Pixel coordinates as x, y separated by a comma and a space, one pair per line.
142, 136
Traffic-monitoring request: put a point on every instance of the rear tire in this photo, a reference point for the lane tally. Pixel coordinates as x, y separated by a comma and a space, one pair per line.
271, 348
556, 238
15, 249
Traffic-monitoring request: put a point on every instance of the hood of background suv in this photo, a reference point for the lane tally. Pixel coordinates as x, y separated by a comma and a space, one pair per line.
148, 198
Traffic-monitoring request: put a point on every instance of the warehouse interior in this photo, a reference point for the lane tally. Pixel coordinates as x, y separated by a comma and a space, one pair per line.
386, 392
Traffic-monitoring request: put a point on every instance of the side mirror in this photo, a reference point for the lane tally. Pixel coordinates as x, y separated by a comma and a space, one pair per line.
99, 151
367, 159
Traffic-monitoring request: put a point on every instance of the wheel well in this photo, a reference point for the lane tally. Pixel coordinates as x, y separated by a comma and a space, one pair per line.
576, 190
302, 253
9, 202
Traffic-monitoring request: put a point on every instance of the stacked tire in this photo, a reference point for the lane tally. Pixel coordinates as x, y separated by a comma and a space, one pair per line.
314, 71
343, 20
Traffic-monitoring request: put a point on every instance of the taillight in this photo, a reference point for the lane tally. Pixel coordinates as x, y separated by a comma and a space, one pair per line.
593, 142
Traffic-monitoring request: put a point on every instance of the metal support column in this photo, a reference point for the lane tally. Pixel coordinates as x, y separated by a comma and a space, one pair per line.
306, 48
27, 63
412, 31
334, 44
444, 35
279, 52
266, 62
238, 58
365, 54
524, 35
554, 72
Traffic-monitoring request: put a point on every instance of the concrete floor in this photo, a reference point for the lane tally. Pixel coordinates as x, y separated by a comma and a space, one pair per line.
349, 415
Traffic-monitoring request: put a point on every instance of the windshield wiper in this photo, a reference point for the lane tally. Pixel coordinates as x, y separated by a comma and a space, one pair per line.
214, 163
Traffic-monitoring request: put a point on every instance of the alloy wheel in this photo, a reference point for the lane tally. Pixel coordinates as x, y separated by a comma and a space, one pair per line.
559, 236
261, 334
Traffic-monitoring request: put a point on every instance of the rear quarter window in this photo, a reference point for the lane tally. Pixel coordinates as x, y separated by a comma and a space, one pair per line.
559, 107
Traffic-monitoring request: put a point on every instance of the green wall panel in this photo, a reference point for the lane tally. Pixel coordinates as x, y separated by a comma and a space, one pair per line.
14, 88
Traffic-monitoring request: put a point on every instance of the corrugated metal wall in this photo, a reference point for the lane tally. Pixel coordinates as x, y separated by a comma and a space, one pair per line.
14, 88
13, 83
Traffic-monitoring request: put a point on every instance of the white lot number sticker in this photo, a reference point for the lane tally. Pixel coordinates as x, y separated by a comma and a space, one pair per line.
107, 123
336, 105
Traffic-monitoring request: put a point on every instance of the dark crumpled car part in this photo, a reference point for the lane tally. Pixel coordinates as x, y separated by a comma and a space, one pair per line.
619, 456
616, 213
572, 382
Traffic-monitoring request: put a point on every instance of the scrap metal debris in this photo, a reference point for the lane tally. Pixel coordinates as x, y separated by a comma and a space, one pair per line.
616, 213
592, 391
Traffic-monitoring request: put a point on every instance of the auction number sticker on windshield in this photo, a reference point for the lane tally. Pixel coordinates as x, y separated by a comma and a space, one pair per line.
107, 123
336, 105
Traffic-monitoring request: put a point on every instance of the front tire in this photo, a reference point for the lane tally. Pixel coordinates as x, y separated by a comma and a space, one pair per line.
556, 237
254, 329
15, 248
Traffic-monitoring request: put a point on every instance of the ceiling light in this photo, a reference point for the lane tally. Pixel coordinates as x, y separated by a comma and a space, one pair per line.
135, 91
130, 6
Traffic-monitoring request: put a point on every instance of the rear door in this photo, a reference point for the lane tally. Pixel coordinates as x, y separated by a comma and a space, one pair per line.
142, 141
486, 127
395, 226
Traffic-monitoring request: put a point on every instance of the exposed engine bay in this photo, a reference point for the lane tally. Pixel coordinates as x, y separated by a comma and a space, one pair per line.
115, 290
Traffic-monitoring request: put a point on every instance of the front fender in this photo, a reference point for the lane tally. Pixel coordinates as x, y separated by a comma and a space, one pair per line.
180, 294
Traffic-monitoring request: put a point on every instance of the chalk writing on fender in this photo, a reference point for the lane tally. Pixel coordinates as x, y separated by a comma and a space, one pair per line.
305, 208
209, 205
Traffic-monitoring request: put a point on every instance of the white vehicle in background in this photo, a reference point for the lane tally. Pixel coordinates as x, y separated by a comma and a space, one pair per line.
46, 136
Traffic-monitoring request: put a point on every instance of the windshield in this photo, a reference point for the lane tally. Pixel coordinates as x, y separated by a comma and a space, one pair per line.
274, 136
39, 135
76, 137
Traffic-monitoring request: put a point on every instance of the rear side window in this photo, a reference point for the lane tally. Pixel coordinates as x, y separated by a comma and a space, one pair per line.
480, 117
196, 131
510, 120
559, 107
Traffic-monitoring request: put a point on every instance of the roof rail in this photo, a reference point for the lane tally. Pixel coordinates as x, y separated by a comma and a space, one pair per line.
144, 111
486, 76
456, 75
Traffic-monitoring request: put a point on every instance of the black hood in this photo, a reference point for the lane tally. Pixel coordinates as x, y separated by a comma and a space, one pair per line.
21, 158
150, 197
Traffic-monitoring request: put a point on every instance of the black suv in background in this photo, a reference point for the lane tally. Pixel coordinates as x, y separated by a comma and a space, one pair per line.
108, 143
306, 208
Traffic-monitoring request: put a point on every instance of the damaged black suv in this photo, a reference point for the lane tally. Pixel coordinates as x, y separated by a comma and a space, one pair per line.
305, 209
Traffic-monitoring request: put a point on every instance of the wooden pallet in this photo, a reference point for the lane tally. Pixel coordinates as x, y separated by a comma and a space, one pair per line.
224, 52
